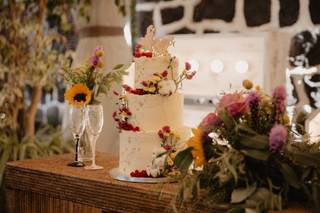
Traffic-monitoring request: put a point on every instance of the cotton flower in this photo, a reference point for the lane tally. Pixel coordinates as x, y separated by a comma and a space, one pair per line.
166, 87
277, 137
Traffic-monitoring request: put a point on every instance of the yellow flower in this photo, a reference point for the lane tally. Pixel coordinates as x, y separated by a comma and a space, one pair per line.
247, 84
170, 162
286, 119
150, 89
258, 88
196, 143
78, 95
99, 52
100, 64
173, 155
156, 78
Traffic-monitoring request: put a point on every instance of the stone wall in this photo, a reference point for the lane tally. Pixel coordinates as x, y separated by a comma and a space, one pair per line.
207, 16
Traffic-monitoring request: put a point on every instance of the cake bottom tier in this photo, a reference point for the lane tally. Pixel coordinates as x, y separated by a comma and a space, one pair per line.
136, 149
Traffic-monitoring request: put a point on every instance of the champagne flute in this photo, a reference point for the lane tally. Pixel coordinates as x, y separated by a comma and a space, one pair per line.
78, 122
94, 126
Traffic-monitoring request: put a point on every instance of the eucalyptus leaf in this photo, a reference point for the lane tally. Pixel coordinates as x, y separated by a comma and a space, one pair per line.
118, 66
256, 154
183, 160
241, 194
255, 142
289, 175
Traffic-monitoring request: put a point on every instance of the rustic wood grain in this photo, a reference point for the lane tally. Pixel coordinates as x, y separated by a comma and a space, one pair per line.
48, 185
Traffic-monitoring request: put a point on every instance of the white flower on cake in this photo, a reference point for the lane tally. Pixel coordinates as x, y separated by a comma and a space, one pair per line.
167, 87
158, 162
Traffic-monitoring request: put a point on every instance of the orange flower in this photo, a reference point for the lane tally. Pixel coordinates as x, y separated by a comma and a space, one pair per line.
78, 95
196, 143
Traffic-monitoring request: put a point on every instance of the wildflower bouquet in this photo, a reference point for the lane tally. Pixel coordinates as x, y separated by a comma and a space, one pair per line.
244, 155
89, 80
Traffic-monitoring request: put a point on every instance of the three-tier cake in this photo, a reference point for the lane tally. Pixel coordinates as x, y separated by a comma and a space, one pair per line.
150, 111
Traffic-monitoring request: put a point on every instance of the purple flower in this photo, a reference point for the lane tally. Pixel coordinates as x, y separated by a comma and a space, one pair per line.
277, 137
95, 61
253, 99
279, 96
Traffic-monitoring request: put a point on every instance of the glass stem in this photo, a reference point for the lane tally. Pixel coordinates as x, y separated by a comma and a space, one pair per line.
93, 149
77, 148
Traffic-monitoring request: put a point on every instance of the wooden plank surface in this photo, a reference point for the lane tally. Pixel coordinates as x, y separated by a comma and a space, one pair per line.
51, 177
48, 185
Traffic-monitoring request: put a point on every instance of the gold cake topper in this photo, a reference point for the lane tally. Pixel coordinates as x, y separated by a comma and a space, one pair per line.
158, 46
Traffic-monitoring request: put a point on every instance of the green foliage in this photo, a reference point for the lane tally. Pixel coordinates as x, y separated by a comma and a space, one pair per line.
48, 141
98, 81
243, 168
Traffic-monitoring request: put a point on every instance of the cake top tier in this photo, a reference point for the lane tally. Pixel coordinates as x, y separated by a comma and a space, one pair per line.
150, 46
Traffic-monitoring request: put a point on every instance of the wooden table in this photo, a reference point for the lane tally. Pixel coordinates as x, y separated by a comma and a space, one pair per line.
48, 185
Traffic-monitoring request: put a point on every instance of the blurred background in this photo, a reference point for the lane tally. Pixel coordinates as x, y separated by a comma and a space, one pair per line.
270, 42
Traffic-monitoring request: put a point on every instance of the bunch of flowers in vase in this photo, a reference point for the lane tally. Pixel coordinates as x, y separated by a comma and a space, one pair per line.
245, 156
88, 83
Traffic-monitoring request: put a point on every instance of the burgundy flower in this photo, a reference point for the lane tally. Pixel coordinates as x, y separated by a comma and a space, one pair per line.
187, 66
166, 129
210, 119
164, 74
160, 134
126, 88
277, 137
136, 173
167, 147
190, 75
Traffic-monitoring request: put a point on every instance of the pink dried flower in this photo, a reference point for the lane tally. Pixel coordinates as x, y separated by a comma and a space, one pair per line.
234, 103
279, 96
277, 137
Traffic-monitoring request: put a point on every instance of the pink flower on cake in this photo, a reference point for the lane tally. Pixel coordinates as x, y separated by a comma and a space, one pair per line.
234, 103
277, 137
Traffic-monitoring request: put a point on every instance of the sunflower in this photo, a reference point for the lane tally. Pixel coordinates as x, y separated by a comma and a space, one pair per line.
196, 143
78, 95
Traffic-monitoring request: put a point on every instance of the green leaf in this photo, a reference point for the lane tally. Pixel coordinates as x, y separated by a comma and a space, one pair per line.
255, 142
183, 160
241, 194
289, 175
227, 120
118, 66
256, 154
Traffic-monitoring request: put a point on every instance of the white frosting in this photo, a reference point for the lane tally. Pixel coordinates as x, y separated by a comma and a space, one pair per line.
152, 112
136, 149
146, 67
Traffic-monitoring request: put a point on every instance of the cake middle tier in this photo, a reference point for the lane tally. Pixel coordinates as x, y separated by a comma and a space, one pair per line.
152, 112
146, 67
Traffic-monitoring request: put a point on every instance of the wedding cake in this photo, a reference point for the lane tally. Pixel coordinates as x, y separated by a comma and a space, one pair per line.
150, 114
